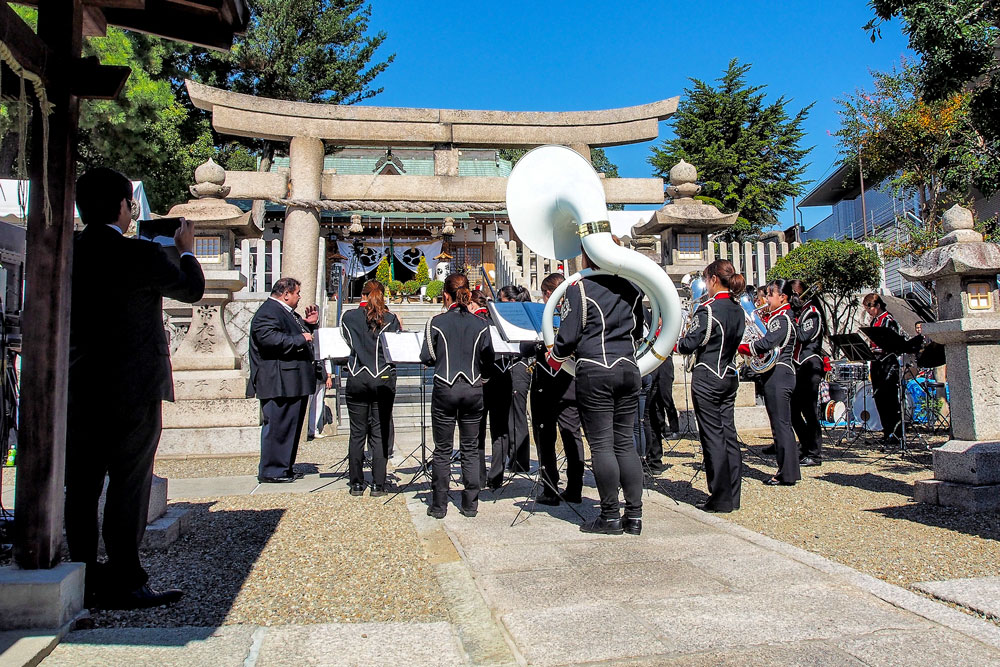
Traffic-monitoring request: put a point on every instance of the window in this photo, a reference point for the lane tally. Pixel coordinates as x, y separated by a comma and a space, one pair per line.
689, 246
208, 248
466, 256
980, 296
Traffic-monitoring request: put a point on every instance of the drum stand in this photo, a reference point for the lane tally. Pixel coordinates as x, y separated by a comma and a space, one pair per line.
854, 432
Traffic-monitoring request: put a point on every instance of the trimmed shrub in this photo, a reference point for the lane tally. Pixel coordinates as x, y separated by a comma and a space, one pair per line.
395, 286
412, 286
434, 289
423, 272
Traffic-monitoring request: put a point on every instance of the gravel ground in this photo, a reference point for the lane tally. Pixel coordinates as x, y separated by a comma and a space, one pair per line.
291, 558
857, 510
313, 456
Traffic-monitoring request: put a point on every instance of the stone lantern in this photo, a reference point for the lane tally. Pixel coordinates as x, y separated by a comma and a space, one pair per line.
684, 224
211, 414
964, 270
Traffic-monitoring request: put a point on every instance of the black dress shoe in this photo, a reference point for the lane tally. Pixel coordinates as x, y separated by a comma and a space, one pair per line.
141, 598
769, 450
572, 496
705, 507
357, 489
467, 513
774, 481
296, 475
808, 461
632, 526
377, 491
275, 480
437, 514
548, 498
603, 526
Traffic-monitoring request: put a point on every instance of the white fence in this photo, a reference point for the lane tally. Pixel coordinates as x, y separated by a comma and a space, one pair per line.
260, 264
530, 272
753, 260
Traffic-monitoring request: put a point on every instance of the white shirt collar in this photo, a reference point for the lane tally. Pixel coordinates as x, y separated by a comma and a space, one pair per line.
283, 304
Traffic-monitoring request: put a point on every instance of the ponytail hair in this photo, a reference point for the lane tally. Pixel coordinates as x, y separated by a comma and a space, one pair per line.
793, 288
782, 287
479, 298
728, 278
375, 308
457, 287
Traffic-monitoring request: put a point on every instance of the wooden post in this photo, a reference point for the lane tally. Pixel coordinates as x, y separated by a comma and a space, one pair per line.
45, 322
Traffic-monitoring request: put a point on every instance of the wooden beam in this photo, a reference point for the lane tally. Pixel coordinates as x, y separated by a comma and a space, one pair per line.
206, 30
28, 50
94, 23
92, 80
45, 322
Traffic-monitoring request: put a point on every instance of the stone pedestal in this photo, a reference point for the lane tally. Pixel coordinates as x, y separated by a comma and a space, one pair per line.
964, 270
48, 598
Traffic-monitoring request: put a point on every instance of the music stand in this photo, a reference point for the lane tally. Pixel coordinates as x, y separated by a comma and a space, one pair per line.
403, 347
894, 344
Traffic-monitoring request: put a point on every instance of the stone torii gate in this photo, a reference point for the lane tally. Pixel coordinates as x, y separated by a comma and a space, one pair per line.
305, 189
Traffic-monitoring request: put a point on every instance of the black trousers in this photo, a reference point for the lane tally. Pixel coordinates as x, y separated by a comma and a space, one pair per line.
662, 411
517, 426
714, 401
779, 385
551, 413
885, 390
498, 394
120, 446
369, 406
608, 399
805, 420
460, 403
279, 435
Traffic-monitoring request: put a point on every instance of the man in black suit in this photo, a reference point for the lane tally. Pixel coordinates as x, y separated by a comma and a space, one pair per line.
282, 376
119, 372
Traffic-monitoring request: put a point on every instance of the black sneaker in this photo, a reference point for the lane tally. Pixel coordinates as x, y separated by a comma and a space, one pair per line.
377, 491
467, 513
357, 489
548, 498
437, 514
603, 526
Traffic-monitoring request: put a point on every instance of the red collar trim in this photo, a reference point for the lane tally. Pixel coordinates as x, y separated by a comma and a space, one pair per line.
452, 306
881, 318
781, 309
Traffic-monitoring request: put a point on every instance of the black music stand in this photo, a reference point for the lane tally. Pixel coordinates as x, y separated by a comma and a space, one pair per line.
407, 357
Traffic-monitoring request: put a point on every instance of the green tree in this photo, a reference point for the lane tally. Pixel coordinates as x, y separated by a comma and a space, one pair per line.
842, 268
383, 273
913, 145
296, 50
423, 275
747, 151
957, 43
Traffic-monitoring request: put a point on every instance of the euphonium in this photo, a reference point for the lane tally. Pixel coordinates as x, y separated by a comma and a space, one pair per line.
699, 290
755, 330
556, 204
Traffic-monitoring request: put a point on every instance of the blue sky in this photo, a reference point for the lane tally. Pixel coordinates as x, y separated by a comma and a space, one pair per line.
568, 56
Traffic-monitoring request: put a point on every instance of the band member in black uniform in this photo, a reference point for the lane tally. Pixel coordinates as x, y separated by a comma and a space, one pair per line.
601, 324
662, 414
884, 372
553, 407
713, 338
779, 382
520, 382
808, 361
371, 386
497, 397
457, 344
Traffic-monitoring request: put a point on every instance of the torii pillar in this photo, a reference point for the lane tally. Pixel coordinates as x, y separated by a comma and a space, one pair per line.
299, 257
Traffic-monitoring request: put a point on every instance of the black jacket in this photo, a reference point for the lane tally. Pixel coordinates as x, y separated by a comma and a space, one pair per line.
715, 336
457, 344
613, 325
282, 362
780, 336
809, 331
367, 355
118, 348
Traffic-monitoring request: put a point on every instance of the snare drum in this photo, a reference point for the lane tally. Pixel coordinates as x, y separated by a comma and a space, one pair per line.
850, 371
835, 412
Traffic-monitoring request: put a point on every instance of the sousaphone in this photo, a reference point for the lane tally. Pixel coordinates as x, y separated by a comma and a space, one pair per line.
556, 204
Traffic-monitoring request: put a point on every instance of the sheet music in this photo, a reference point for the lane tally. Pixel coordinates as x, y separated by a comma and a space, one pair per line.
514, 322
403, 347
332, 344
500, 346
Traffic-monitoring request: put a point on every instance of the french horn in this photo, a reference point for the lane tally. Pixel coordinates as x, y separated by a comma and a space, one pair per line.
557, 207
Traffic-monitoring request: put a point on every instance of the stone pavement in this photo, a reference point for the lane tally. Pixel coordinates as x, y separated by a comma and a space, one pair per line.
693, 589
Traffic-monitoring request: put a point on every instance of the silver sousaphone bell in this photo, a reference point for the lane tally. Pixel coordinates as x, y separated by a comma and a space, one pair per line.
556, 204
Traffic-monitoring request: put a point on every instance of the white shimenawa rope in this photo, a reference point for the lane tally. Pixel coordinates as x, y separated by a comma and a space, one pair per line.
22, 127
390, 206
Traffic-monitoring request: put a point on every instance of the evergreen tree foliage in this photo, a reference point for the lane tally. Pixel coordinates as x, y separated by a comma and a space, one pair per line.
383, 273
957, 43
747, 151
423, 272
845, 269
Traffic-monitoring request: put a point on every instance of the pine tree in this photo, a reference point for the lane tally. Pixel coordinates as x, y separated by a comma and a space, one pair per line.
746, 151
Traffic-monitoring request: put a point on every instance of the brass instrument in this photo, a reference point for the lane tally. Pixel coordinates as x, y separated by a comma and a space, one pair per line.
699, 292
754, 331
